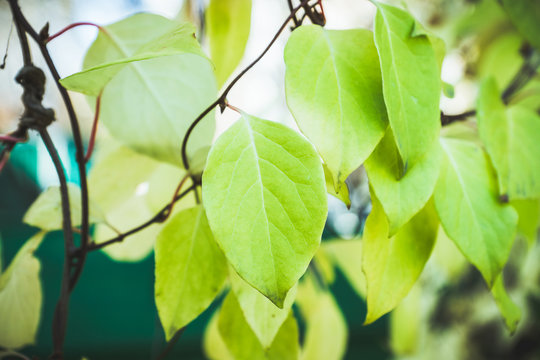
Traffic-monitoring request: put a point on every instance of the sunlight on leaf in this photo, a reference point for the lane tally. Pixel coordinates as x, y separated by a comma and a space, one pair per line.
265, 197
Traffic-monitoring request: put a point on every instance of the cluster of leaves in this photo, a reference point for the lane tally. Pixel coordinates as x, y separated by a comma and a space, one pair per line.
360, 97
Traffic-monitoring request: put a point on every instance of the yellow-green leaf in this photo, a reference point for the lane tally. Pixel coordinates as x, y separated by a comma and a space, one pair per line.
347, 255
393, 264
190, 269
510, 137
405, 324
228, 31
242, 342
411, 82
265, 197
324, 321
334, 91
264, 318
509, 310
466, 199
528, 219
402, 196
21, 297
46, 211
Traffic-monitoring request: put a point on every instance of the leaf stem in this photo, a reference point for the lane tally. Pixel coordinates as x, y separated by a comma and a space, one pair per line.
93, 134
74, 25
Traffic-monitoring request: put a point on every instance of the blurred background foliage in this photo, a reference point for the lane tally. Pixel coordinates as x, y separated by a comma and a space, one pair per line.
448, 315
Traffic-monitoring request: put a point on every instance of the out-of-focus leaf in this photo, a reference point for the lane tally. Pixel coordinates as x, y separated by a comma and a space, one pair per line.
46, 211
466, 199
509, 310
21, 297
510, 137
228, 31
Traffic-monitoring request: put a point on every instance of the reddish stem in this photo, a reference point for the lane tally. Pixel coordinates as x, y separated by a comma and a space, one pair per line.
234, 108
74, 25
176, 192
94, 130
11, 139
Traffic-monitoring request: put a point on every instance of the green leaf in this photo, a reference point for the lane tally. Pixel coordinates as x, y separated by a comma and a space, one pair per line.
264, 318
334, 91
407, 61
213, 345
469, 210
511, 142
21, 297
242, 342
524, 14
264, 194
447, 257
228, 31
149, 105
509, 310
393, 264
342, 194
190, 269
46, 211
405, 324
528, 219
347, 255
402, 196
324, 321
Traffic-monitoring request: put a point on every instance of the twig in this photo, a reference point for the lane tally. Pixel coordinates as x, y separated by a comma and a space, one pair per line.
74, 25
159, 217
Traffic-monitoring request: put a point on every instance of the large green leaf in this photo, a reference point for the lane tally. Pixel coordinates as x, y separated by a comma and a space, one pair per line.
264, 194
525, 15
21, 297
334, 91
190, 269
468, 207
242, 342
262, 315
402, 196
411, 82
149, 104
511, 140
46, 211
324, 321
392, 264
228, 31
509, 310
